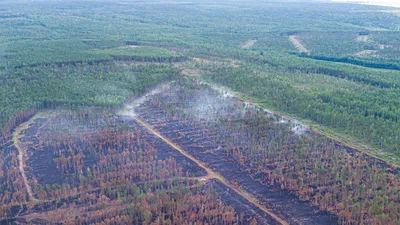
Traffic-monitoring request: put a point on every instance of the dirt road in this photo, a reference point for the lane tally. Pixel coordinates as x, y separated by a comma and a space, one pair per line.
213, 175
16, 136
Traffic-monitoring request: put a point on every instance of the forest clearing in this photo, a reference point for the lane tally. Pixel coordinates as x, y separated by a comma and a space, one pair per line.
296, 42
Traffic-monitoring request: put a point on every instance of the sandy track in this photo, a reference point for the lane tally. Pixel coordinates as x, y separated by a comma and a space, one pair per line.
213, 175
296, 42
248, 44
16, 136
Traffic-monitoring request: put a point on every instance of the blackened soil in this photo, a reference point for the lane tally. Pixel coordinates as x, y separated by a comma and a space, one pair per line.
164, 151
40, 164
198, 142
241, 205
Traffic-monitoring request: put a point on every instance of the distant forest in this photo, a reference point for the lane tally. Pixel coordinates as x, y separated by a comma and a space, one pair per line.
332, 67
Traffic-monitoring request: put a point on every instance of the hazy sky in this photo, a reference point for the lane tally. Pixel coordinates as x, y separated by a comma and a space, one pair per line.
375, 2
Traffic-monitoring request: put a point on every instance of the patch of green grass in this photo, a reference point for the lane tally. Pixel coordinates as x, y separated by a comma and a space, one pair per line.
141, 51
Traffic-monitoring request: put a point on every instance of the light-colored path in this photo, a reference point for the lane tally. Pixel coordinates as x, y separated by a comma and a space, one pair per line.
296, 42
211, 174
248, 44
16, 136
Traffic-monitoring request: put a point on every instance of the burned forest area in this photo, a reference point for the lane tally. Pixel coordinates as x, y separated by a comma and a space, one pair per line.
199, 112
185, 152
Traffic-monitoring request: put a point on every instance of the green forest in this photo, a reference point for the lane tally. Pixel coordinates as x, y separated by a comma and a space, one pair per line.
76, 58
333, 67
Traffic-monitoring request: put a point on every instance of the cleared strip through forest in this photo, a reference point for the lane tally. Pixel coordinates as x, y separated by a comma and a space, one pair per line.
298, 44
211, 174
248, 44
21, 153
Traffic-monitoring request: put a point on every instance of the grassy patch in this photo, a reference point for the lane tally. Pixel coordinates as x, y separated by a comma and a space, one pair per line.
143, 53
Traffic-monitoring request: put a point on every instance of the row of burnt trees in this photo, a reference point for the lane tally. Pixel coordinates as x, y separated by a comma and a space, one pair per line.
109, 160
167, 202
369, 114
162, 205
24, 115
316, 169
12, 188
7, 129
357, 188
94, 149
109, 167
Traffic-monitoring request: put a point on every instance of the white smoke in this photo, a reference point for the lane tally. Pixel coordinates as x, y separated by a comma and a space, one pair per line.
129, 108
